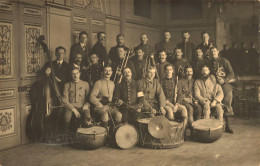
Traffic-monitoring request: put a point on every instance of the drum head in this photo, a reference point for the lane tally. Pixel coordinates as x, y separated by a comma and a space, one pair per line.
92, 130
144, 120
126, 136
205, 124
159, 127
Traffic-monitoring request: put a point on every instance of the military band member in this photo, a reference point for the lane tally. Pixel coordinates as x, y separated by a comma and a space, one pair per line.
60, 67
186, 95
113, 53
118, 64
209, 93
169, 86
179, 63
77, 64
198, 62
147, 49
99, 49
82, 47
205, 45
125, 95
154, 98
187, 47
75, 97
167, 45
162, 63
140, 63
223, 71
94, 71
101, 95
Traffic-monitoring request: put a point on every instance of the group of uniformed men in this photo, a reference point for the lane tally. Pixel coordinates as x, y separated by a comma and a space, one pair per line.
185, 82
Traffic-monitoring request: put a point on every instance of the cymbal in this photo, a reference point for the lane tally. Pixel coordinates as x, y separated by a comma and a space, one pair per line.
159, 127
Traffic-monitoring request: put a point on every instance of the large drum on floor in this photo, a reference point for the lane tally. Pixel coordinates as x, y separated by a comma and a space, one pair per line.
91, 138
126, 136
174, 138
207, 130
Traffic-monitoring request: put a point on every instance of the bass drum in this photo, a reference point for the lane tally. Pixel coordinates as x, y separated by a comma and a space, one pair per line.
173, 139
91, 138
207, 130
126, 136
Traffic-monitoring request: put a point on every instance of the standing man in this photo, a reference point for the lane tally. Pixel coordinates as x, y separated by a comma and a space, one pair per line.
82, 47
161, 65
77, 64
140, 63
169, 88
205, 45
75, 97
101, 95
167, 45
198, 62
99, 49
60, 67
112, 55
179, 63
224, 74
125, 95
94, 71
147, 49
187, 47
209, 93
151, 89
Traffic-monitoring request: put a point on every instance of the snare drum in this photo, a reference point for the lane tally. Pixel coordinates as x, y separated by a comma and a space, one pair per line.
172, 140
207, 130
126, 136
91, 138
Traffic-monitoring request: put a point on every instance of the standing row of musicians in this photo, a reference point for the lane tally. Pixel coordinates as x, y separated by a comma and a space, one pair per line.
162, 83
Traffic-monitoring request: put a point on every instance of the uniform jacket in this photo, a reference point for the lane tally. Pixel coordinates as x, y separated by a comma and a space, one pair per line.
208, 90
197, 65
147, 49
112, 55
101, 52
75, 94
160, 69
205, 49
169, 86
179, 65
94, 73
139, 67
166, 46
187, 49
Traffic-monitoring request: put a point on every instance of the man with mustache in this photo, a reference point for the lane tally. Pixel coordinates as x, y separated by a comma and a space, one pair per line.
101, 95
99, 49
209, 93
186, 46
198, 62
223, 71
162, 63
126, 96
205, 45
140, 63
94, 71
151, 89
179, 63
147, 49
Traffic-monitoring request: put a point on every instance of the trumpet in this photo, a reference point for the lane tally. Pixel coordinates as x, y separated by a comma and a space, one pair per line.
118, 75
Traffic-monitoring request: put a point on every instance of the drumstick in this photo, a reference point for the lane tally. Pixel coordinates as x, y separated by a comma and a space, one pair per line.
142, 113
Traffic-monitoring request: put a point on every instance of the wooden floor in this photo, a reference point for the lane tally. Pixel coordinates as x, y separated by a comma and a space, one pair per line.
241, 148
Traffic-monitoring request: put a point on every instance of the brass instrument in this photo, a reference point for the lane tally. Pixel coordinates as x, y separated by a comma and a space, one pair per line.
118, 75
149, 61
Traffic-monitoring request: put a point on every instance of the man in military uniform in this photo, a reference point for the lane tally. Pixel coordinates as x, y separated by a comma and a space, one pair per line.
77, 64
147, 49
223, 71
125, 95
94, 71
113, 53
198, 62
209, 93
82, 47
140, 63
179, 63
99, 48
75, 97
205, 45
172, 105
162, 63
167, 45
187, 47
101, 96
151, 89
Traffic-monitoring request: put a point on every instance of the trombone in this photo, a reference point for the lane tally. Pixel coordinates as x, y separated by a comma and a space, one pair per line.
118, 75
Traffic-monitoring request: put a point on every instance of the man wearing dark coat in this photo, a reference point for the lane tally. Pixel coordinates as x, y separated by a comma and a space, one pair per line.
99, 48
205, 45
147, 49
187, 47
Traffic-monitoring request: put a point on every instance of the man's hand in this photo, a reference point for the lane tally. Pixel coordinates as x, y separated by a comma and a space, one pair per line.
48, 71
153, 111
175, 108
220, 80
77, 114
213, 103
139, 110
86, 107
59, 80
119, 102
162, 110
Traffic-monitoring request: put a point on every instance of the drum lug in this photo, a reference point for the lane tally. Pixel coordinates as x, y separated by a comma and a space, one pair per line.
94, 135
209, 131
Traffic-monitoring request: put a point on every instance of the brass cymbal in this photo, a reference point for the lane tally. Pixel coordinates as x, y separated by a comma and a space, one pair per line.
159, 127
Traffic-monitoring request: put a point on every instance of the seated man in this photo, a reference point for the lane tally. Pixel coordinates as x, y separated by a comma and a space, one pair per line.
75, 96
209, 93
101, 95
186, 95
154, 98
125, 95
94, 72
169, 85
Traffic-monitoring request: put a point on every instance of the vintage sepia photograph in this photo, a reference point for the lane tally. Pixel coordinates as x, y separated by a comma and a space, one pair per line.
129, 82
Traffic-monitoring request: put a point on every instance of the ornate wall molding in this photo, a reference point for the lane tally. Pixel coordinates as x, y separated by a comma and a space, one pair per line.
32, 51
82, 20
7, 121
7, 93
82, 3
6, 7
6, 30
97, 5
97, 22
32, 11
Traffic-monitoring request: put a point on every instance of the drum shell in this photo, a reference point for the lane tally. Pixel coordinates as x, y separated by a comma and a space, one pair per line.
173, 140
91, 141
207, 136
